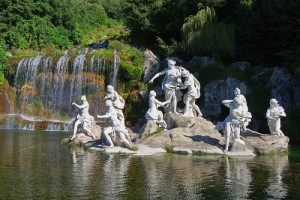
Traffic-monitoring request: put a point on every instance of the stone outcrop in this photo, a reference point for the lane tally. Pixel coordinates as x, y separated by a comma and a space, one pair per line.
151, 65
215, 92
197, 135
82, 138
186, 135
284, 89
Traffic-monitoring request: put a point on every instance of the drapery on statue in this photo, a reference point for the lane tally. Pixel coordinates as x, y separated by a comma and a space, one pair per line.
274, 113
83, 117
170, 85
237, 120
153, 112
192, 94
117, 125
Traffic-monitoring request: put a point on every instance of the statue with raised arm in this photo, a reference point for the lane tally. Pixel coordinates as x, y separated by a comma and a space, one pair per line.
170, 85
83, 118
192, 94
117, 125
274, 113
237, 120
153, 112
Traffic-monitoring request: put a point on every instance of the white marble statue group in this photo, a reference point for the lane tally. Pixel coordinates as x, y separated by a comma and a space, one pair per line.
235, 123
114, 118
172, 84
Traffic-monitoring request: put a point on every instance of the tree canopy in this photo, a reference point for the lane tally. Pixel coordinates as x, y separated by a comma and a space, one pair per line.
261, 32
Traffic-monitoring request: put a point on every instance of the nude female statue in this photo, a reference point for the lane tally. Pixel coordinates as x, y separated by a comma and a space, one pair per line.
83, 117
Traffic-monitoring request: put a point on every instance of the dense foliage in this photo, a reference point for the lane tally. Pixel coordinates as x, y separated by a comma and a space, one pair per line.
3, 59
265, 32
59, 23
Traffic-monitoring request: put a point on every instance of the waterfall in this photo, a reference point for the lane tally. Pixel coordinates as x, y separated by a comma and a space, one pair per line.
59, 80
76, 82
47, 85
27, 69
116, 68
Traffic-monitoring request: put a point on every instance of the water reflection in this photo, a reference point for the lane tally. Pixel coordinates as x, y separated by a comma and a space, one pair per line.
238, 177
277, 189
36, 166
114, 176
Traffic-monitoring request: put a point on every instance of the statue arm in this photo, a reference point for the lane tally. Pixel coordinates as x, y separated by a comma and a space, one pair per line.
156, 76
79, 106
227, 103
106, 116
162, 103
281, 112
268, 114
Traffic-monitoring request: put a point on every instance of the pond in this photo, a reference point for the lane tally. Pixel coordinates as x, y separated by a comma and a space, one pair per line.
34, 165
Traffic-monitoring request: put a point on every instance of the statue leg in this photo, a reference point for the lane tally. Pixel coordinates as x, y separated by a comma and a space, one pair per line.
75, 128
174, 102
123, 138
106, 132
196, 108
227, 135
85, 127
237, 135
278, 126
187, 106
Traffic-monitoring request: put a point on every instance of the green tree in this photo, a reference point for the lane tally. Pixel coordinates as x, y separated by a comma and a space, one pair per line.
204, 35
3, 59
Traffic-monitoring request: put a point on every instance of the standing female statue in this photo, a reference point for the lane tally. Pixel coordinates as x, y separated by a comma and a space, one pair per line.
274, 113
170, 85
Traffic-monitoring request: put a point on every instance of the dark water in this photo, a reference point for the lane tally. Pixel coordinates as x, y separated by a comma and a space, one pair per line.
34, 165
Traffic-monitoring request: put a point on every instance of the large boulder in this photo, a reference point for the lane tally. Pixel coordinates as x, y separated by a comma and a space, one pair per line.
187, 135
151, 65
198, 135
82, 138
284, 89
217, 91
264, 143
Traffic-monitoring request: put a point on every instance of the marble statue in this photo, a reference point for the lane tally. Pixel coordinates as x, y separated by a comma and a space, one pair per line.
83, 117
117, 125
117, 101
171, 83
274, 113
153, 112
192, 94
237, 120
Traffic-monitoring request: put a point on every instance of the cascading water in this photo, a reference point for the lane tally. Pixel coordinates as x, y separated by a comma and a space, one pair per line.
116, 68
46, 86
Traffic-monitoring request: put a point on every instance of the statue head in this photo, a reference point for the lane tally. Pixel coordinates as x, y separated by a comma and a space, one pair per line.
237, 91
171, 62
110, 88
184, 72
83, 98
152, 93
273, 102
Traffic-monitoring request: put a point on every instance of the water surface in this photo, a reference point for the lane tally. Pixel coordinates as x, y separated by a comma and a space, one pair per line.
34, 165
